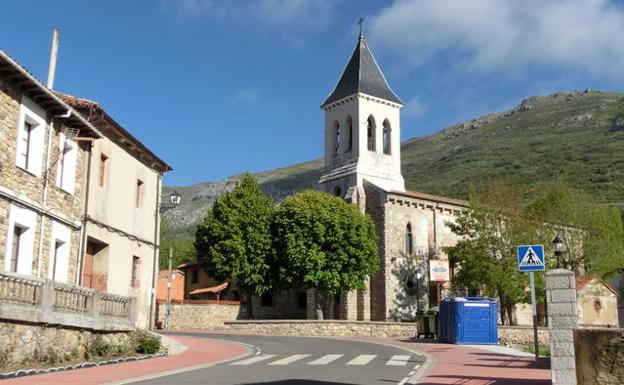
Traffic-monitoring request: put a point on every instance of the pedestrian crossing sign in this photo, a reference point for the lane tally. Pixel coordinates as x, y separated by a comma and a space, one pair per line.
531, 258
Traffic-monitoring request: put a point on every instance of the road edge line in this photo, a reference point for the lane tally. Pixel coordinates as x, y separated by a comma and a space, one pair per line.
251, 349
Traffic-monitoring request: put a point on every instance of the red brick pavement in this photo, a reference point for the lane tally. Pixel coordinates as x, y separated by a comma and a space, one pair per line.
200, 351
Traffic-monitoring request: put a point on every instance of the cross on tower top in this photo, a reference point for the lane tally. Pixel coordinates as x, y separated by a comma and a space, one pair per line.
359, 22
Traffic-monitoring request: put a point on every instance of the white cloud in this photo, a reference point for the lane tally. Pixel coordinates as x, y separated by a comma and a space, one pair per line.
298, 14
414, 108
246, 96
489, 35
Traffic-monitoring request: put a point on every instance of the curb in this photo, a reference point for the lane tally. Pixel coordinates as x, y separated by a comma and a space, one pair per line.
81, 365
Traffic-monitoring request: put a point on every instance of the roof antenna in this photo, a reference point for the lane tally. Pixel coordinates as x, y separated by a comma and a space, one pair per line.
359, 22
53, 53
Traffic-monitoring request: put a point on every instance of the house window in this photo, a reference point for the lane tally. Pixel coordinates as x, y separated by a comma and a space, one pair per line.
370, 133
337, 144
386, 138
55, 258
266, 300
409, 240
103, 167
67, 159
135, 272
139, 193
30, 136
350, 140
15, 248
58, 264
195, 276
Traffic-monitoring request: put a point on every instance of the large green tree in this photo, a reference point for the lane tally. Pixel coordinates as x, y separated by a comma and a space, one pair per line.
489, 233
324, 243
234, 239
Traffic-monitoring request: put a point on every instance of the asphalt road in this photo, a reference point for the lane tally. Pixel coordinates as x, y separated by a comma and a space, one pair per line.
305, 361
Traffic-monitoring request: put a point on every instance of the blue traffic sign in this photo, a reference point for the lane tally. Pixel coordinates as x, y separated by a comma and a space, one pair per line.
531, 258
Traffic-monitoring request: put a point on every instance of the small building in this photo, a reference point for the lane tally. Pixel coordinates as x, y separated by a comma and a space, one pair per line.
177, 286
596, 302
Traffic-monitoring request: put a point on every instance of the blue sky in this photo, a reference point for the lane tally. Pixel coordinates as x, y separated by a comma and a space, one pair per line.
219, 87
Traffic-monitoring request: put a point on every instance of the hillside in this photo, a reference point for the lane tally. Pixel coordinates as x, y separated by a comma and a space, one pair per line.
577, 137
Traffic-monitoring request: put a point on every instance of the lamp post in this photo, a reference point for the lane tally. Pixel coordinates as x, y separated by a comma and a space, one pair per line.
174, 200
558, 249
418, 277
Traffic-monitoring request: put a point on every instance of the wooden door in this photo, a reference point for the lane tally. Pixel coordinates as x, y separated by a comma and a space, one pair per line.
87, 269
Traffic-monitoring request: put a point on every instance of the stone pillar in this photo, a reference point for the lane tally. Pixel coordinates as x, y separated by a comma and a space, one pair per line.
363, 303
349, 306
562, 320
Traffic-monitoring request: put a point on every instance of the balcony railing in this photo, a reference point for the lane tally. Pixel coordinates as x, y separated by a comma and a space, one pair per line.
45, 301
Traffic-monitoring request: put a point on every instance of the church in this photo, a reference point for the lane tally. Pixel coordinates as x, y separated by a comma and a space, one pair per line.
363, 166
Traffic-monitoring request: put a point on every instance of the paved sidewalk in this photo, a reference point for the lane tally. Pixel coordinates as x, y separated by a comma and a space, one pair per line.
200, 352
471, 365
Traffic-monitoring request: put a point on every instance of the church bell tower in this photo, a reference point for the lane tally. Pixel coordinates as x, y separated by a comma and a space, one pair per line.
362, 129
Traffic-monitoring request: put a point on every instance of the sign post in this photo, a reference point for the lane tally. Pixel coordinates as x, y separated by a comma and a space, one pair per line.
531, 259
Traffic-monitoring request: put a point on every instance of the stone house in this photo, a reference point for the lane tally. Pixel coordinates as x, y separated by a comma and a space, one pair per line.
596, 302
363, 165
122, 217
43, 177
79, 195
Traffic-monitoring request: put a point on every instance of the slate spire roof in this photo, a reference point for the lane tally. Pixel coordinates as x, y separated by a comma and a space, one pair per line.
362, 74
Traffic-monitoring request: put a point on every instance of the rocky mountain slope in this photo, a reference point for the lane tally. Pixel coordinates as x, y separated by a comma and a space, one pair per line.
577, 137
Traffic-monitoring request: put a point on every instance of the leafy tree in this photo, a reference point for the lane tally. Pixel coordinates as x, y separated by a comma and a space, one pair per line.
324, 243
234, 239
183, 249
486, 253
593, 233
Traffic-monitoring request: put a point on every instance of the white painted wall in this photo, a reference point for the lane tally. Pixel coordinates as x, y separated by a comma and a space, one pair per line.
36, 116
26, 219
59, 233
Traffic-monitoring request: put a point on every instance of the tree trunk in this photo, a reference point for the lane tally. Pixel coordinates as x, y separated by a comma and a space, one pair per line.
503, 309
249, 305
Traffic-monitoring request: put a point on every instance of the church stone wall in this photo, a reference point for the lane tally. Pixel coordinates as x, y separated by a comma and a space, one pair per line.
376, 210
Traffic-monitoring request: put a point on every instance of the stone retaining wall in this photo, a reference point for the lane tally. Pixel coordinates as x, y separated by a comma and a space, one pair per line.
325, 328
24, 343
518, 336
599, 356
200, 316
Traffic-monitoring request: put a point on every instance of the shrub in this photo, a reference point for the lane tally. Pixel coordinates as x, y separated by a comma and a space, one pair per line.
145, 343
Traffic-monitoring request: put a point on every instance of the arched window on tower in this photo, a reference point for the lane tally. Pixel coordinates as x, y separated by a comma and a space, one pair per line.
337, 191
337, 143
370, 133
409, 240
350, 129
387, 143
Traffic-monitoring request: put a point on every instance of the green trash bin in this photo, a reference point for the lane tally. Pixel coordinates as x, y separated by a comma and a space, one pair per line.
422, 324
432, 321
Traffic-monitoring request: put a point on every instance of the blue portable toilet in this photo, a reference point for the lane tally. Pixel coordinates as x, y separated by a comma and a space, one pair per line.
468, 320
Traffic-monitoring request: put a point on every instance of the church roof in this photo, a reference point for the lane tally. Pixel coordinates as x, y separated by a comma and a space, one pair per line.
362, 74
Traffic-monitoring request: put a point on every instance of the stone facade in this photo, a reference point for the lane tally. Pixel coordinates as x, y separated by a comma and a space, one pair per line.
22, 189
200, 316
25, 343
521, 336
599, 356
326, 328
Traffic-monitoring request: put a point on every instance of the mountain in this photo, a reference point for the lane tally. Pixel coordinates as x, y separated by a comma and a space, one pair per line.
577, 137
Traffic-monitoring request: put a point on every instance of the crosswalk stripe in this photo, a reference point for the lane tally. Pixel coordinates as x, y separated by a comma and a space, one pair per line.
326, 359
254, 359
398, 360
362, 359
290, 360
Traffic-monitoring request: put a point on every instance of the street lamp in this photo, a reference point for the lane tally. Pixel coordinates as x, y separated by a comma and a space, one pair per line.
418, 277
175, 200
558, 248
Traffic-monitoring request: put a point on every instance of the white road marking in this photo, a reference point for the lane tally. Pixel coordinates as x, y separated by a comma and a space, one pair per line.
362, 359
326, 359
254, 359
398, 360
290, 360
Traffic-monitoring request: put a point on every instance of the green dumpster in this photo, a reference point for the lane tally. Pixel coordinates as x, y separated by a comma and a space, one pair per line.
432, 321
422, 324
